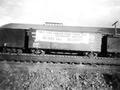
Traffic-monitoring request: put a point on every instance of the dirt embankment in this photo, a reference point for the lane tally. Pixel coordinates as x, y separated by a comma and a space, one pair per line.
25, 76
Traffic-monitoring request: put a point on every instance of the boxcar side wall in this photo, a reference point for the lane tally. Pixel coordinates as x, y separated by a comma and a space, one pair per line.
113, 44
12, 37
65, 40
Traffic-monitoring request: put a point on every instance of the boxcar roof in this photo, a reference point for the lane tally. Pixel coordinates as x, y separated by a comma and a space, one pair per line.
61, 28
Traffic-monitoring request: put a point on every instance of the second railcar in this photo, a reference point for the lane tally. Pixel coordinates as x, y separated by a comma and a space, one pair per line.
113, 45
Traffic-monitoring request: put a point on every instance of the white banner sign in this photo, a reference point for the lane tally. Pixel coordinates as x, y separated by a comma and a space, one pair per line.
63, 37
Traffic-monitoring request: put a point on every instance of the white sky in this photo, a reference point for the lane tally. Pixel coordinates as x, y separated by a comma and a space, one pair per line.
101, 13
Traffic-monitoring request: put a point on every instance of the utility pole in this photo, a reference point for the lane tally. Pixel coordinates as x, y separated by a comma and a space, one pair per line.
115, 25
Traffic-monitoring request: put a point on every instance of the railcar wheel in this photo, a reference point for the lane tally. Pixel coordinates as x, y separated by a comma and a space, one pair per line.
92, 54
14, 50
39, 52
33, 51
42, 52
19, 51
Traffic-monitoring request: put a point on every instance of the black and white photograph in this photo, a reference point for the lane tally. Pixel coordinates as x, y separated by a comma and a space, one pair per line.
59, 44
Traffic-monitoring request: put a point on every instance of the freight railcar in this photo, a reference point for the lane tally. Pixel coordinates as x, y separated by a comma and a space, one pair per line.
113, 46
65, 42
12, 40
37, 39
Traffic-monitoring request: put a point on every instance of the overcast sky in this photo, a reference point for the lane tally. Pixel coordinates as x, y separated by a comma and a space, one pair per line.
101, 13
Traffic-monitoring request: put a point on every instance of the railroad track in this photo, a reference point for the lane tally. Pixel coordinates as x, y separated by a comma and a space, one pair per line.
50, 64
61, 59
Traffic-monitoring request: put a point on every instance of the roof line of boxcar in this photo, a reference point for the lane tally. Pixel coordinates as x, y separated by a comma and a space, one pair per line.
61, 28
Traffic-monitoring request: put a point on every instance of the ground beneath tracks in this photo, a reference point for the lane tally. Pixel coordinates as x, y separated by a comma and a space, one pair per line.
57, 76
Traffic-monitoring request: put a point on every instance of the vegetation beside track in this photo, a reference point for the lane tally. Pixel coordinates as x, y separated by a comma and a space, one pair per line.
49, 76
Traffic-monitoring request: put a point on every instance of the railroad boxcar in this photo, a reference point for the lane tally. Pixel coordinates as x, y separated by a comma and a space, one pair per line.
113, 45
65, 41
12, 39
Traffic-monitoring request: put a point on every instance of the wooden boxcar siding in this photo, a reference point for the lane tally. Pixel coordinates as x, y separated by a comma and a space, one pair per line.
92, 43
113, 44
12, 37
